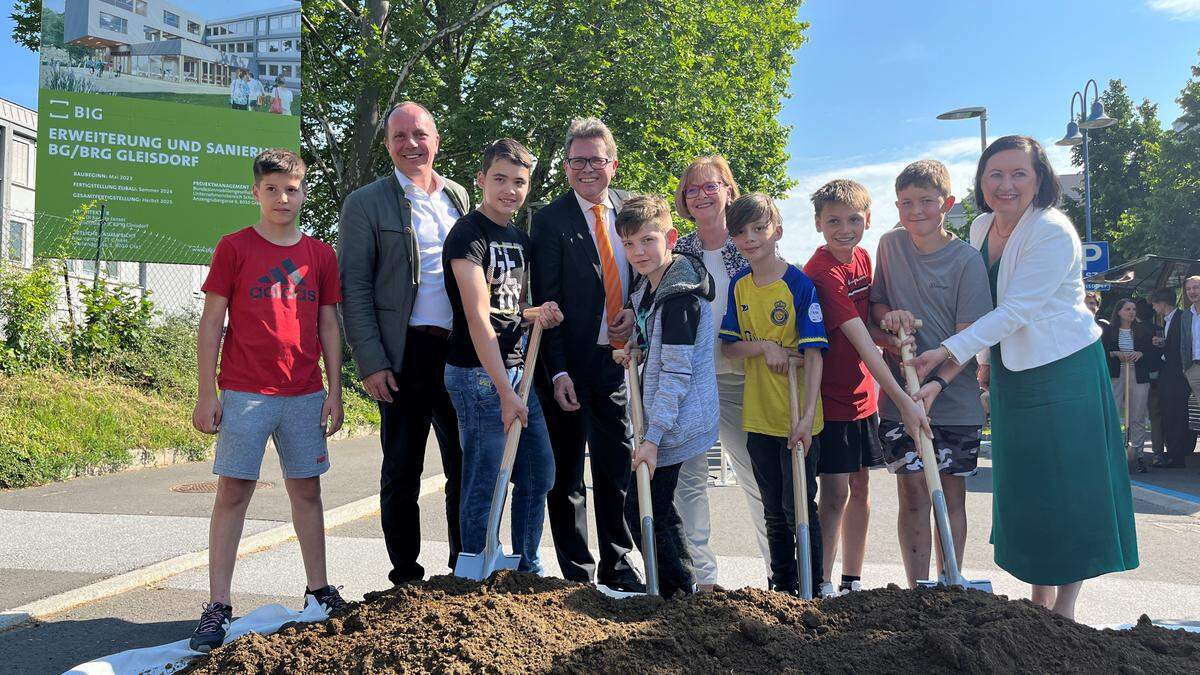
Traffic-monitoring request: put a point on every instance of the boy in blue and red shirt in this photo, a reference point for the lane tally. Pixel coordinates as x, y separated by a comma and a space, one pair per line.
280, 290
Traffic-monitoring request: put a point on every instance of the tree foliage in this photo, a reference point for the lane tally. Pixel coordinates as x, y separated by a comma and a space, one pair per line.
673, 79
27, 23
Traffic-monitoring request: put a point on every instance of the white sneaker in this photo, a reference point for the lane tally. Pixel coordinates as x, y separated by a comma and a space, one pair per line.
854, 587
827, 590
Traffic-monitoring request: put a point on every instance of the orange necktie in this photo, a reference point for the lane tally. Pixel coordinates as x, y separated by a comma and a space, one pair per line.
608, 264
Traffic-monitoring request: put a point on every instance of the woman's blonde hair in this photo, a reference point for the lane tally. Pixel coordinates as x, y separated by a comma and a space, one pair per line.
715, 162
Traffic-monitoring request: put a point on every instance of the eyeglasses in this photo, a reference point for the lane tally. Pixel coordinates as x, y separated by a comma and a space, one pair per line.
710, 188
578, 163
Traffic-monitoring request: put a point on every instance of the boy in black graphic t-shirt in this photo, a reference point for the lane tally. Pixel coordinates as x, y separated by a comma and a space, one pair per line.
488, 290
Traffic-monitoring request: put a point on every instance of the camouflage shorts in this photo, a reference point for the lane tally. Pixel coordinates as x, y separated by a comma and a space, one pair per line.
956, 447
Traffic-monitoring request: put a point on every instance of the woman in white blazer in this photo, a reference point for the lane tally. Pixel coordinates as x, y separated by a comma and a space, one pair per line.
1062, 510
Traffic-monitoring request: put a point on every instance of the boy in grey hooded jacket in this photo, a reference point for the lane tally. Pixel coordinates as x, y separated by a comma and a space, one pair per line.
674, 329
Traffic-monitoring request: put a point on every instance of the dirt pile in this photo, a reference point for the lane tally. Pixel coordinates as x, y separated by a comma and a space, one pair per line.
519, 622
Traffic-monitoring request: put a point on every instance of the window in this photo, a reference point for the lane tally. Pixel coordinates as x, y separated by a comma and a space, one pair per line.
262, 69
16, 241
113, 23
126, 5
284, 23
291, 45
262, 26
193, 28
171, 18
285, 71
18, 167
151, 34
270, 46
140, 7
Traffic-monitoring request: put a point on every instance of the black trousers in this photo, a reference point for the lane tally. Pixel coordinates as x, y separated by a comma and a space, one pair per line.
1173, 394
1157, 440
602, 425
772, 464
404, 429
674, 563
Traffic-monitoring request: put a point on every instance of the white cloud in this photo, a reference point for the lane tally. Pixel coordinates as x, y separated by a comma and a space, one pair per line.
1177, 9
960, 155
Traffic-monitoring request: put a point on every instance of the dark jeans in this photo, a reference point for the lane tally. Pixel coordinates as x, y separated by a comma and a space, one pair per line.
602, 425
1173, 394
674, 563
772, 464
404, 429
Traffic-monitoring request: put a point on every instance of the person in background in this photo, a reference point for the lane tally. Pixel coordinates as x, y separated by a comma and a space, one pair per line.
706, 189
1092, 300
257, 93
1062, 506
238, 92
1173, 389
281, 98
1129, 341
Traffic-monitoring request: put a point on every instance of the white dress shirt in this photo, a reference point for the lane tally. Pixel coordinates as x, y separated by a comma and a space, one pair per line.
1195, 336
432, 217
610, 217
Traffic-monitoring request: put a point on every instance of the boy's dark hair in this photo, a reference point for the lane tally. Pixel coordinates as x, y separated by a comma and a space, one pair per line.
639, 210
278, 160
751, 208
507, 149
1168, 295
929, 174
1049, 191
841, 191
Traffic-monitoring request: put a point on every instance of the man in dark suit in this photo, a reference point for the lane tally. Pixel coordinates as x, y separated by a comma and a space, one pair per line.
1173, 389
578, 262
398, 320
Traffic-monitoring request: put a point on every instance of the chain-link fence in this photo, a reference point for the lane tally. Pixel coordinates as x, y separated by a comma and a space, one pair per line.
172, 288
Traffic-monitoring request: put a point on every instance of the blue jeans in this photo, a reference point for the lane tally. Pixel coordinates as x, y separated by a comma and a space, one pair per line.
482, 435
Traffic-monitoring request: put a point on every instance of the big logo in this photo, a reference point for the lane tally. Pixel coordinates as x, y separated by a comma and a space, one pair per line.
286, 282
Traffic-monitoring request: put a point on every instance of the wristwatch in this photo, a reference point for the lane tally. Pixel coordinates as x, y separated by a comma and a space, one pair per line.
935, 378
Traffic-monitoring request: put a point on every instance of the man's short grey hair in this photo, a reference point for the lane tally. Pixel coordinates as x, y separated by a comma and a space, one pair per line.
590, 127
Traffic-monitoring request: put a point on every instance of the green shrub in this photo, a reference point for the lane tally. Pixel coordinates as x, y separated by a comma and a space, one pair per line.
28, 298
115, 322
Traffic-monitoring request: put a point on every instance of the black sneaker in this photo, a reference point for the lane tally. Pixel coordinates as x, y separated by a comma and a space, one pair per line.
214, 624
328, 598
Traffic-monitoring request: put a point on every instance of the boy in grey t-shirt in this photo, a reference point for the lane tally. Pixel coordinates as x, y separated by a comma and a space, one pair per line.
923, 271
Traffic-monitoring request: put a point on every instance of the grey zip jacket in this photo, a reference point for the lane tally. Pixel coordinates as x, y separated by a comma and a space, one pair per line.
679, 380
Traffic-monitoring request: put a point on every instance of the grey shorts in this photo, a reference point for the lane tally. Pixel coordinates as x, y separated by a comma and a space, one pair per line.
293, 422
956, 447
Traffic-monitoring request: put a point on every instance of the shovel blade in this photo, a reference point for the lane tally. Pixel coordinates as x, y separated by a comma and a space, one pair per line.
974, 584
479, 566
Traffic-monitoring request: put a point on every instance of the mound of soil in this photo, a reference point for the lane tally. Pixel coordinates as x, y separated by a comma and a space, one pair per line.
520, 622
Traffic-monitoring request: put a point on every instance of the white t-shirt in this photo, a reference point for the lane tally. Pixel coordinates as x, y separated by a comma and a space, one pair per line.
716, 267
285, 99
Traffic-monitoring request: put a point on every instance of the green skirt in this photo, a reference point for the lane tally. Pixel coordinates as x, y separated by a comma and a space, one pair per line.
1062, 509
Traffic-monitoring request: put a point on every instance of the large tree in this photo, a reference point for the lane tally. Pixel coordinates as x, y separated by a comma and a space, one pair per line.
27, 23
673, 79
1121, 157
1171, 217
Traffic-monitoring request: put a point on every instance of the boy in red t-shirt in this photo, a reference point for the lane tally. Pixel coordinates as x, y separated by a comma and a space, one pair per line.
280, 289
850, 441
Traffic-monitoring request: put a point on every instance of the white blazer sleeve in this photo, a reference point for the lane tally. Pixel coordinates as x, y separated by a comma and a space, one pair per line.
1043, 263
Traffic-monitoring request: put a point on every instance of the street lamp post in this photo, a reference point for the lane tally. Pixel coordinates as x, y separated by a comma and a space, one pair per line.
967, 113
1077, 133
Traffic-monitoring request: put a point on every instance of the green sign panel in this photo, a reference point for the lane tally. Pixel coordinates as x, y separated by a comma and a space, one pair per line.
163, 130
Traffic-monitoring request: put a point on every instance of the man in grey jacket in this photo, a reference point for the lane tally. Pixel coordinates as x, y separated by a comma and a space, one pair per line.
398, 319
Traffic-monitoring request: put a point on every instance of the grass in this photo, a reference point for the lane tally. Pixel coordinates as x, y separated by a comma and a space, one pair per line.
55, 426
210, 100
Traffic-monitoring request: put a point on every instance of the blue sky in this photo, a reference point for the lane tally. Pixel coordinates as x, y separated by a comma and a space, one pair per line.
869, 82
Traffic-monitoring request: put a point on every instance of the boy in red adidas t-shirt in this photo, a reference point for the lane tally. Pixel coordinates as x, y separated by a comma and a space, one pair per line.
280, 289
849, 442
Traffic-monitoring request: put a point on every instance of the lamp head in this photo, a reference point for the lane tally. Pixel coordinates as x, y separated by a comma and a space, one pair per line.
1073, 136
1098, 119
963, 113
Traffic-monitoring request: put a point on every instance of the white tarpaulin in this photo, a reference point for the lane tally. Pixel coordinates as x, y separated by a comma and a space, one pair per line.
171, 657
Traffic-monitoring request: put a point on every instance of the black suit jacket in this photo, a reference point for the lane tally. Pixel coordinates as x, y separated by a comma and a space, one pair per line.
565, 268
1170, 375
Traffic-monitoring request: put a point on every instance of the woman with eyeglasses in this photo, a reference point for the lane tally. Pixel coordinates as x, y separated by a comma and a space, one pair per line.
705, 190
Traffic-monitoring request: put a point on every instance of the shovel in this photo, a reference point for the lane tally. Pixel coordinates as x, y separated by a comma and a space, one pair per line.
933, 481
645, 509
479, 566
800, 488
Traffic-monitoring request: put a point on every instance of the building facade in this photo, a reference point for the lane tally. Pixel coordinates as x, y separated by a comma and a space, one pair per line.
149, 38
18, 154
269, 38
